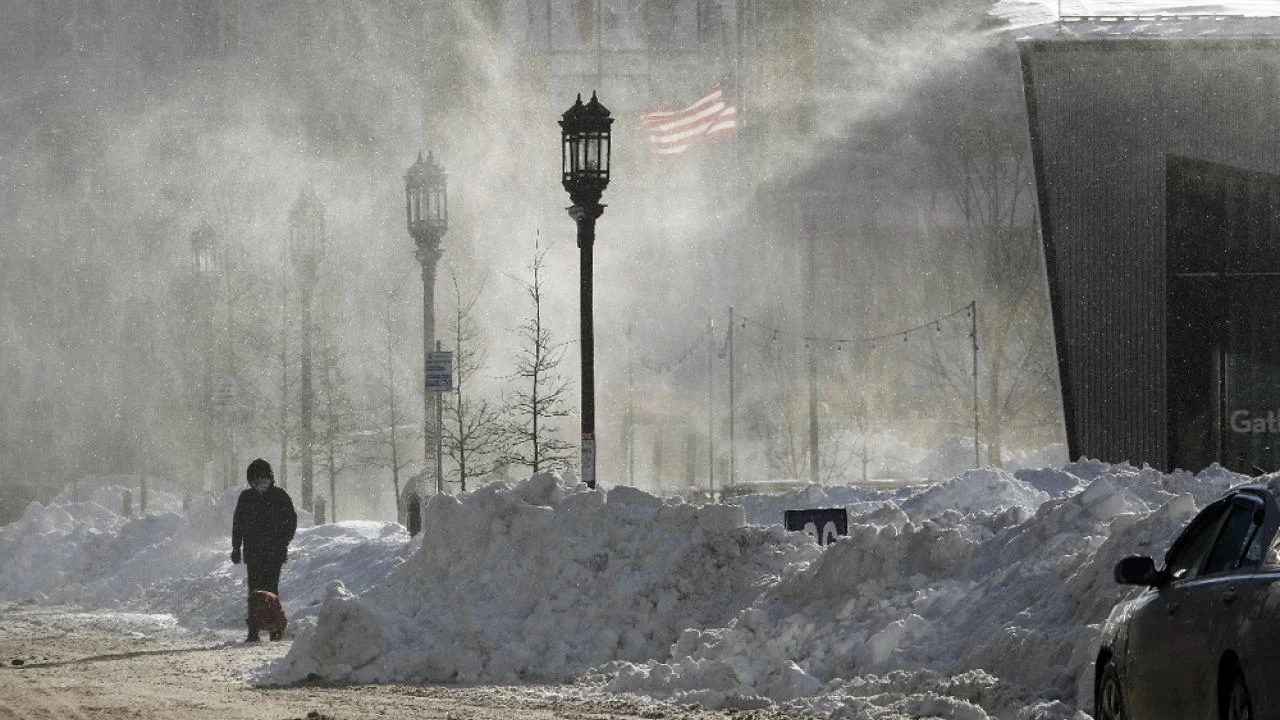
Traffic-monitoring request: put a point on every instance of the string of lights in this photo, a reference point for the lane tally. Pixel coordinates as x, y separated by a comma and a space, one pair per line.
671, 365
838, 343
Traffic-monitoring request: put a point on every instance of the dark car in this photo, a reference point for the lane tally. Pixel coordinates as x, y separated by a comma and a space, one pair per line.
1203, 640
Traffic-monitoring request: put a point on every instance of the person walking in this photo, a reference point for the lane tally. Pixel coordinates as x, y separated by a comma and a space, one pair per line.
264, 524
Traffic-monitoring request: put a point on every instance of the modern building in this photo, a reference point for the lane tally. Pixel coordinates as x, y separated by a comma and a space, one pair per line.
1158, 172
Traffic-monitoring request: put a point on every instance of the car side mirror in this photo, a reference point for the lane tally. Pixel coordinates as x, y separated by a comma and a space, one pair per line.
1137, 570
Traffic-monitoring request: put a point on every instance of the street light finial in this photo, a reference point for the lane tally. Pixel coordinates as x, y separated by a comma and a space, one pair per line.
419, 156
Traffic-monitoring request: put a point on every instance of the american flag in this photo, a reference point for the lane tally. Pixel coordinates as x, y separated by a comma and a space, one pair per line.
671, 132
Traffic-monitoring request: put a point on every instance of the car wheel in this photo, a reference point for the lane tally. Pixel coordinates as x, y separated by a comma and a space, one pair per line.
1236, 704
1108, 696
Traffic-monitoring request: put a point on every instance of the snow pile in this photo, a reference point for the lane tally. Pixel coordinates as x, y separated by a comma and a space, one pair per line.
1051, 481
978, 597
982, 490
768, 509
951, 617
543, 580
85, 554
109, 491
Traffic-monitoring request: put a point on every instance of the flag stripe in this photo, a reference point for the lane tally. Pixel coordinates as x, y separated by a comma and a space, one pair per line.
710, 97
715, 109
672, 132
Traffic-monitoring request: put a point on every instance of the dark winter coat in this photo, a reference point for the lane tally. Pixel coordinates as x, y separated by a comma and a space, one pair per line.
265, 523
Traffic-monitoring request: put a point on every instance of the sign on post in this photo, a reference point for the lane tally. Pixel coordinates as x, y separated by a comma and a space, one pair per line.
824, 524
589, 459
439, 371
224, 392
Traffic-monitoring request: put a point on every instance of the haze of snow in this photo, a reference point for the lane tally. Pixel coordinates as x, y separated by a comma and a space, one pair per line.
977, 597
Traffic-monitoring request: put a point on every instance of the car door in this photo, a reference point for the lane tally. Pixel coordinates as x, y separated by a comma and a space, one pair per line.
1160, 657
1255, 625
1213, 605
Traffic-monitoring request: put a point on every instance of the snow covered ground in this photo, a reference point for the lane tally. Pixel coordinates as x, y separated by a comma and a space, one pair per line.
975, 597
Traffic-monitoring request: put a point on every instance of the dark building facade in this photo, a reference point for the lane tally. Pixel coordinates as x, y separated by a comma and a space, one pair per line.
1158, 173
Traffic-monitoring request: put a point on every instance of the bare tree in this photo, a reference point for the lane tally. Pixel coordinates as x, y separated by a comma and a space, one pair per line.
473, 432
779, 414
541, 395
994, 257
860, 391
394, 432
336, 437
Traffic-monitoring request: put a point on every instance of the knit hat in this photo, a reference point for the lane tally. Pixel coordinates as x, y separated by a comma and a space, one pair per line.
259, 468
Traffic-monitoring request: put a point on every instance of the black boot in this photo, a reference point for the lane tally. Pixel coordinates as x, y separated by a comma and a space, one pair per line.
275, 635
253, 636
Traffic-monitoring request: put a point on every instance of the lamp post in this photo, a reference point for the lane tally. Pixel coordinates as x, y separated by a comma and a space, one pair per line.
585, 152
306, 250
204, 268
426, 206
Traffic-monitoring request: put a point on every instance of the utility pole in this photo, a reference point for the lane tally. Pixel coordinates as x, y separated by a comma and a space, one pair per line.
811, 312
439, 439
283, 470
631, 408
307, 241
973, 336
711, 414
733, 470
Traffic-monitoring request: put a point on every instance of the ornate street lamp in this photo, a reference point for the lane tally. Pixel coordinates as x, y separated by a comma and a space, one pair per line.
206, 252
585, 152
306, 250
426, 206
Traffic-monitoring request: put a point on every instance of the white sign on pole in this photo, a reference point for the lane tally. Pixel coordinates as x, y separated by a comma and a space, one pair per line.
439, 371
224, 392
589, 459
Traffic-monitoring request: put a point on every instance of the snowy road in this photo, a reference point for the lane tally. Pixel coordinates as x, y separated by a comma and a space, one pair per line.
114, 665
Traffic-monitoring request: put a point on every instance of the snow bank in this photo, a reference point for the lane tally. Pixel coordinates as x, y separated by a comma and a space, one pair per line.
982, 490
109, 491
543, 580
767, 509
85, 554
973, 598
994, 613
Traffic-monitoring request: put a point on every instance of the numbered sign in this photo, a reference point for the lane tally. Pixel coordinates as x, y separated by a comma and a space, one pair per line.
824, 524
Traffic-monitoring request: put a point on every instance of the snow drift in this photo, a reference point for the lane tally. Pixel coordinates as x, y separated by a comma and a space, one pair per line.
542, 581
976, 597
